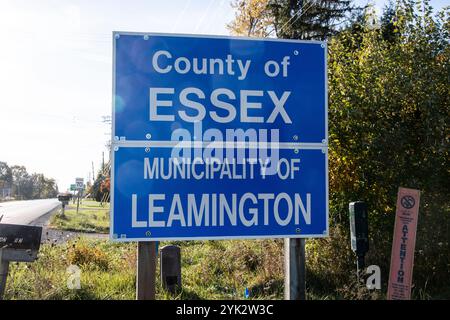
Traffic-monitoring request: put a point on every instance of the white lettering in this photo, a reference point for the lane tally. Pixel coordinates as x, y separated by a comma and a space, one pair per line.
155, 103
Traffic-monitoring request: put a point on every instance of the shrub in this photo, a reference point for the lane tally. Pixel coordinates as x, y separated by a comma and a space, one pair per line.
86, 255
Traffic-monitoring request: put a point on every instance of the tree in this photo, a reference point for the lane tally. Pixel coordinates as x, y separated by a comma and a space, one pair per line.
310, 19
38, 180
5, 175
293, 19
388, 29
389, 109
42, 187
22, 184
101, 186
252, 18
50, 188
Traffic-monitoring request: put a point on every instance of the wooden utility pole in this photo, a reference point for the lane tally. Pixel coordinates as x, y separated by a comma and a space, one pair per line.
146, 270
295, 269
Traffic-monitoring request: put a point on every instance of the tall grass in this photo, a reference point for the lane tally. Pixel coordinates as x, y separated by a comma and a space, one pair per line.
210, 270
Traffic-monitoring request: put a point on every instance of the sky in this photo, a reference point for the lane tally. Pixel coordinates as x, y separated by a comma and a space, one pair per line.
56, 73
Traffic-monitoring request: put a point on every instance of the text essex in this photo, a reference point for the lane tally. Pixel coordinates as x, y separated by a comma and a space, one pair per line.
194, 99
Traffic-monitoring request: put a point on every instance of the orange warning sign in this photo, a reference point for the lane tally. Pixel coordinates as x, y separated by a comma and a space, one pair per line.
403, 244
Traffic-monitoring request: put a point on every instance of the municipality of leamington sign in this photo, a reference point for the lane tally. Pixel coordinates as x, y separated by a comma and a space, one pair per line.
218, 137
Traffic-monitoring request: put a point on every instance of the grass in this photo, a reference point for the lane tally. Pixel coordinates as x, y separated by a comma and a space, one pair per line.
91, 217
106, 272
210, 270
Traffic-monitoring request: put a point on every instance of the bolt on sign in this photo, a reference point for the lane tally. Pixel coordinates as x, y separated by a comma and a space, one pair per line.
218, 138
403, 244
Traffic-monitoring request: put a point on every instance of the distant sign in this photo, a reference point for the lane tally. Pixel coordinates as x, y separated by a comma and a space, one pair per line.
404, 242
79, 183
159, 197
166, 84
73, 187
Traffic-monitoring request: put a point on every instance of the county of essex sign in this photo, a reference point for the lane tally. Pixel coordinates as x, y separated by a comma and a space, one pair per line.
218, 138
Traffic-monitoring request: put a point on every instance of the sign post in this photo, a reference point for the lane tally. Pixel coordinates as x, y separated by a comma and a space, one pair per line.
219, 138
146, 270
79, 186
403, 244
295, 269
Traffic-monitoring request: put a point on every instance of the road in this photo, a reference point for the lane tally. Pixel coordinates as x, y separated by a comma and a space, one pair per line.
37, 213
32, 212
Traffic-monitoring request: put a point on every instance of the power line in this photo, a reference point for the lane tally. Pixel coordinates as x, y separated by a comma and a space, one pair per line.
310, 6
214, 15
181, 15
200, 22
286, 22
298, 17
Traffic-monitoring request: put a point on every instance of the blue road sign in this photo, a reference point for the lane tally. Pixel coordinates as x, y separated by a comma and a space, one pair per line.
165, 84
166, 194
176, 96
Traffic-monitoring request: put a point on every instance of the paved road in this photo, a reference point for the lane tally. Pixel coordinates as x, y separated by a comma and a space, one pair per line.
38, 213
33, 212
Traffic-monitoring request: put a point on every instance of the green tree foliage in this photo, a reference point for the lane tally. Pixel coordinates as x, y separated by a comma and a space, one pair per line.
388, 19
5, 175
389, 110
101, 188
24, 185
43, 187
294, 19
253, 18
310, 19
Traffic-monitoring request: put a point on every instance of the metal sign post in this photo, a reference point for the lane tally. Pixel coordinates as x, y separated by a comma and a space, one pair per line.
78, 200
295, 269
79, 182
